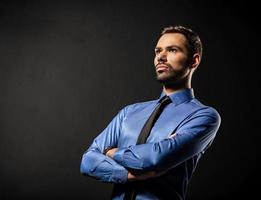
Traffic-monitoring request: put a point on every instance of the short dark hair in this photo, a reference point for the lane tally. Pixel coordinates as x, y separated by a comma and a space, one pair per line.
194, 44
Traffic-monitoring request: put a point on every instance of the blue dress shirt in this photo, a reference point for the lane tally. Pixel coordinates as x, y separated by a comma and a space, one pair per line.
195, 126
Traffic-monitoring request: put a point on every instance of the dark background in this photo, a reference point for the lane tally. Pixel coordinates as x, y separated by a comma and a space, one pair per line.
67, 67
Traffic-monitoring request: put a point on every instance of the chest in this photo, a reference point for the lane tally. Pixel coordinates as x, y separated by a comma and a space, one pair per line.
167, 123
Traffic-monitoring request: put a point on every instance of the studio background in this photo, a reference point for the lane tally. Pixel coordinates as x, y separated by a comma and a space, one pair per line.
68, 67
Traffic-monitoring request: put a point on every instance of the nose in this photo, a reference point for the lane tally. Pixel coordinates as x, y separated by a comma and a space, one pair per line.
162, 57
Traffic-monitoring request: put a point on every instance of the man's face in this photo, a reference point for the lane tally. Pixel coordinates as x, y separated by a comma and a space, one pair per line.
171, 60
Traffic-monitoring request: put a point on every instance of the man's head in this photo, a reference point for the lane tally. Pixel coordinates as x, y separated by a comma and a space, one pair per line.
177, 54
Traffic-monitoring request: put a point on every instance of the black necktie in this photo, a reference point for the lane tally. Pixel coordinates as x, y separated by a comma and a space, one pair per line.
152, 119
130, 194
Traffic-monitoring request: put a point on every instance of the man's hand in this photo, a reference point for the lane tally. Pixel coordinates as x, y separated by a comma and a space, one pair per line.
111, 152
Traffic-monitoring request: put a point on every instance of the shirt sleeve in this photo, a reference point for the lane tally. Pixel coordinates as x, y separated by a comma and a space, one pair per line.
95, 164
194, 136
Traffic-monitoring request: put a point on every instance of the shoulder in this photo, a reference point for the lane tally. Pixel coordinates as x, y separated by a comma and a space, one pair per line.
205, 110
138, 106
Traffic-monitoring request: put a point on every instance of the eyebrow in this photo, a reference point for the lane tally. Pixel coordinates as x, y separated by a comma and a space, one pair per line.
169, 47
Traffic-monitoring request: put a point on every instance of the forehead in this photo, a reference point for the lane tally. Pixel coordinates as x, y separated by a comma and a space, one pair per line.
172, 39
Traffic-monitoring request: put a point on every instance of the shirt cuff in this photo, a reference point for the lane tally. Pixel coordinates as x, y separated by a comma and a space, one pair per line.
118, 155
120, 175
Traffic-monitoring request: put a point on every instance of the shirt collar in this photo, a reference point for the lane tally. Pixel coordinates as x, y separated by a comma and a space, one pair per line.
180, 96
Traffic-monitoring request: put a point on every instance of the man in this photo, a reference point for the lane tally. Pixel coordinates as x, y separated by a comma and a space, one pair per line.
161, 166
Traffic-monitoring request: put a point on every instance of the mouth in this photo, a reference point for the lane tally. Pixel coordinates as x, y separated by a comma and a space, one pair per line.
161, 68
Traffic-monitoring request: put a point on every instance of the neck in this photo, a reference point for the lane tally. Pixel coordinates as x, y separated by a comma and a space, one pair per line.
171, 88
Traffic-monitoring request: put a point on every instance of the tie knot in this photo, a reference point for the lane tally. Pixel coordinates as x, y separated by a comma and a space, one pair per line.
165, 100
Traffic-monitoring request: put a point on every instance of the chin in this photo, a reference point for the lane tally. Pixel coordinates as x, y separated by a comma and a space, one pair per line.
164, 78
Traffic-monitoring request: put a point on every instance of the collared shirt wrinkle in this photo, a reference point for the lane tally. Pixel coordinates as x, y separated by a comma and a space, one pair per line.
183, 132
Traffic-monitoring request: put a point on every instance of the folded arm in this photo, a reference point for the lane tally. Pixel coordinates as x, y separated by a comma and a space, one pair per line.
95, 164
135, 175
192, 138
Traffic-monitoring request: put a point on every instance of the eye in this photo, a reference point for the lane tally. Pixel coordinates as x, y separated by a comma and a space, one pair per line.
157, 51
174, 50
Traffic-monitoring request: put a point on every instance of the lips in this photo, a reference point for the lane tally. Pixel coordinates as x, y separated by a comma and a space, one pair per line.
161, 67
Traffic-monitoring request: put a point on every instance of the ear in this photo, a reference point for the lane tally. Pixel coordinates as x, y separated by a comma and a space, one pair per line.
195, 61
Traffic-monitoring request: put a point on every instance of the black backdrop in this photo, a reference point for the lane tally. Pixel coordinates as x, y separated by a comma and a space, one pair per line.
67, 67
